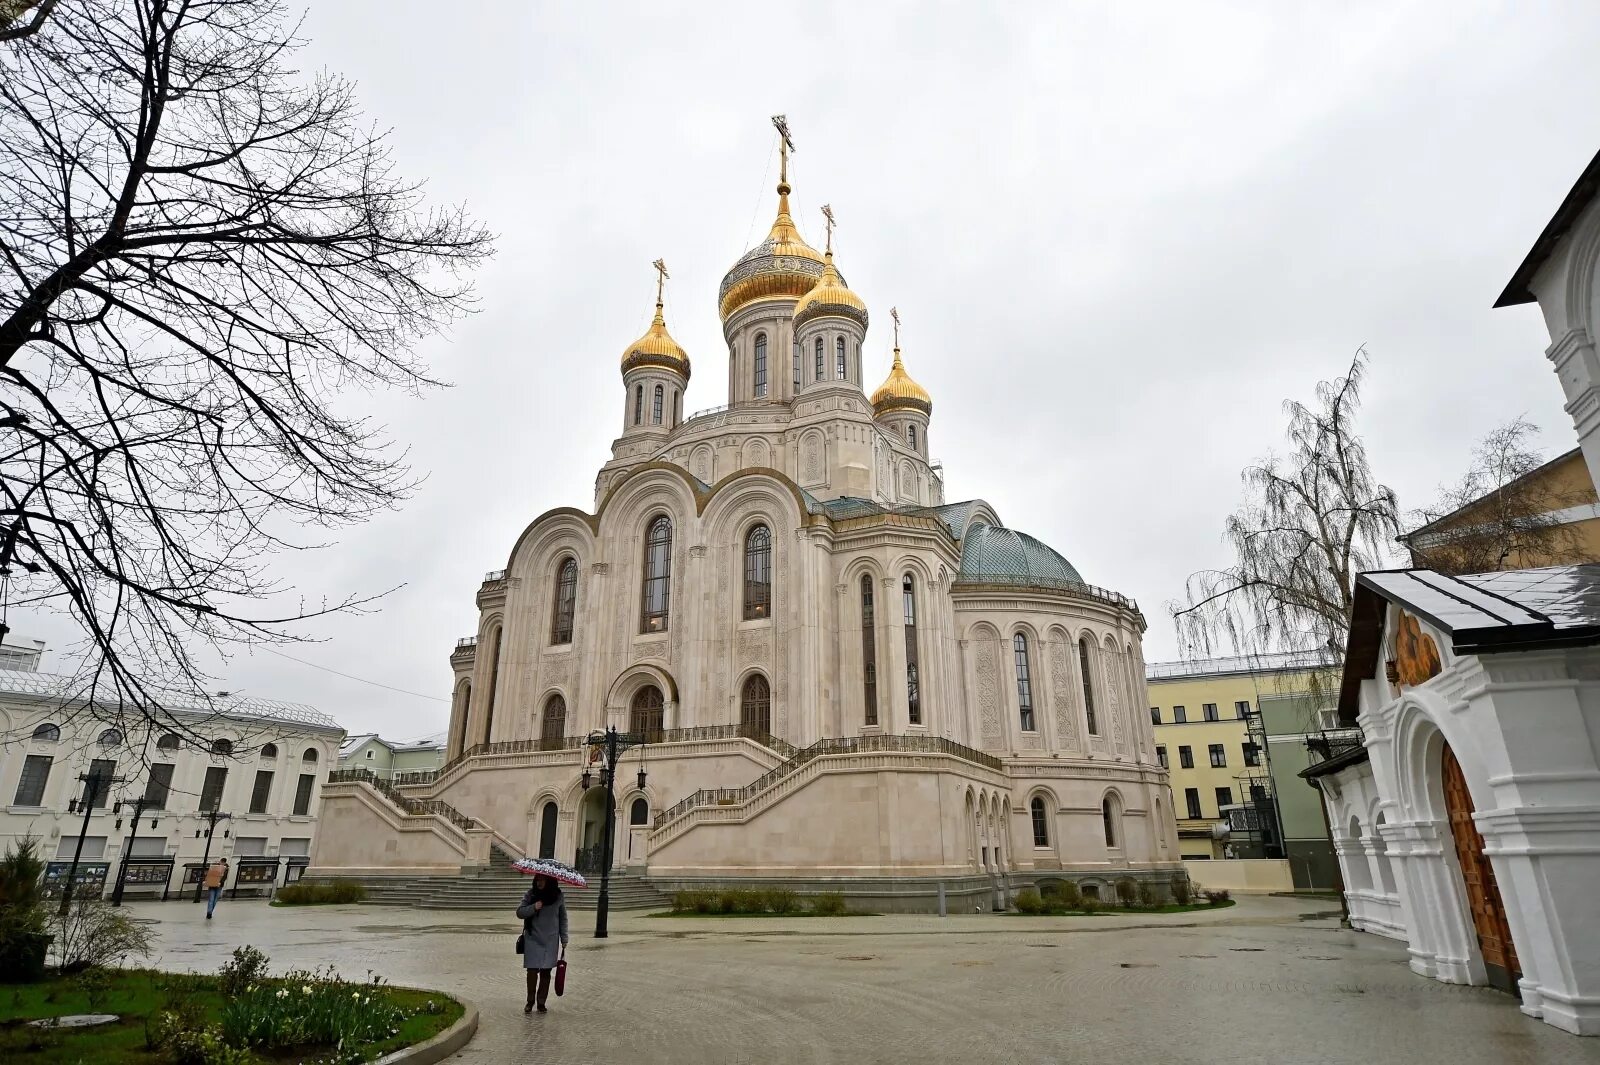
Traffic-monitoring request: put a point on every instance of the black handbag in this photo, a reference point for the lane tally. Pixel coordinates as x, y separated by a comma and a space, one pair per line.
521, 942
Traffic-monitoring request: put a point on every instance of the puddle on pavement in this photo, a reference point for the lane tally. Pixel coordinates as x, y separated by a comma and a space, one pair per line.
1136, 965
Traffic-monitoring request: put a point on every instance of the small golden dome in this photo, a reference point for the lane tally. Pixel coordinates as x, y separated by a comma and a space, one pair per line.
830, 297
783, 266
900, 392
656, 348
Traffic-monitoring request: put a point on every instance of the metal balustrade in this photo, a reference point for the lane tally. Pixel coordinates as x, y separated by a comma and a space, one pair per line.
838, 745
409, 805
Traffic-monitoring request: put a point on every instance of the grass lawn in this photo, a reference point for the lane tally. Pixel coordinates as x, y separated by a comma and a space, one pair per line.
137, 995
1118, 911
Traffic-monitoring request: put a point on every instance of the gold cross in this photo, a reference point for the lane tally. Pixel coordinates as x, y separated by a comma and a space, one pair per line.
785, 146
661, 277
894, 312
827, 212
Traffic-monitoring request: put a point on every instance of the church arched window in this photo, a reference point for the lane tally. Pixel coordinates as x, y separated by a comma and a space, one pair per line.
647, 713
566, 602
797, 366
657, 576
553, 723
913, 692
639, 812
822, 366
1108, 819
911, 436
655, 407
761, 364
755, 706
838, 358
1019, 650
869, 651
638, 404
758, 573
1088, 686
677, 406
1041, 824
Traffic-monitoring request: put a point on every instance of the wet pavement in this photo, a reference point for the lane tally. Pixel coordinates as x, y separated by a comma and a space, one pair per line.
1271, 980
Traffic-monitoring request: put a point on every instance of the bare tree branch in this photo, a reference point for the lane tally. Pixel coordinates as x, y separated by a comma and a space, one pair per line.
200, 250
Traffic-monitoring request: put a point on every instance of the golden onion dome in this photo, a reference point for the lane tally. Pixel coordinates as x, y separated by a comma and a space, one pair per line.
656, 348
830, 296
900, 392
783, 266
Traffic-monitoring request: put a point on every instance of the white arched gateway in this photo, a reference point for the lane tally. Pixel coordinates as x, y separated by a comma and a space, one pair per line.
1468, 820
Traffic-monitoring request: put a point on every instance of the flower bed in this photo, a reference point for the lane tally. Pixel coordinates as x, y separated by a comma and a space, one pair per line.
241, 1016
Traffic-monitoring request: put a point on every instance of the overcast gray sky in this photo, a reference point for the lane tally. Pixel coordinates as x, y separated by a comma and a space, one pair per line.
1120, 235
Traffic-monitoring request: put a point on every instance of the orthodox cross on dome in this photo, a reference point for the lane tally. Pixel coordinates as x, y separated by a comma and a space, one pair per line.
827, 212
785, 146
661, 277
894, 312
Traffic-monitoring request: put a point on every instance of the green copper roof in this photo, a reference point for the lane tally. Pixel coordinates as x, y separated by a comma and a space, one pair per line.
994, 555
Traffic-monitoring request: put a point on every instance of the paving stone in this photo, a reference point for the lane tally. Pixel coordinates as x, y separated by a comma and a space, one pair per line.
1268, 981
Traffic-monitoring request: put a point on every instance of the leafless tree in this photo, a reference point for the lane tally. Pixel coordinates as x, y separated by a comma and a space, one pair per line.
201, 250
15, 21
1497, 516
1310, 522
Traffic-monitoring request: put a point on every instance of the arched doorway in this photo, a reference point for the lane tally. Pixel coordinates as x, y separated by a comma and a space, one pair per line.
1487, 909
547, 830
755, 707
638, 829
590, 857
647, 712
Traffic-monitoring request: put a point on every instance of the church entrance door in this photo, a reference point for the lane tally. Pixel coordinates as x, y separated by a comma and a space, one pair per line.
1483, 894
591, 832
547, 831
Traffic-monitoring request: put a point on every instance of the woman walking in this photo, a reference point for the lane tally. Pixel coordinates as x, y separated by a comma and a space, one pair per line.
544, 930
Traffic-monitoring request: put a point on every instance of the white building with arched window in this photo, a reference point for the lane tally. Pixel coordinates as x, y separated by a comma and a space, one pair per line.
845, 680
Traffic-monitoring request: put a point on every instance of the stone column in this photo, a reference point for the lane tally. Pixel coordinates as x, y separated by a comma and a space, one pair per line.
1578, 369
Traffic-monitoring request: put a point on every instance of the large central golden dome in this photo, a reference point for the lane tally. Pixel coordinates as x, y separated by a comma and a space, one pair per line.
783, 266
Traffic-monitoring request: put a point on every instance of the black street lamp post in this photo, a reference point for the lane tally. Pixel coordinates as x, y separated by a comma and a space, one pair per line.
612, 743
212, 817
94, 785
127, 848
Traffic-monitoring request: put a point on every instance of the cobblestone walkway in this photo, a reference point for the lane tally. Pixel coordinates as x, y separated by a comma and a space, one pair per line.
1269, 981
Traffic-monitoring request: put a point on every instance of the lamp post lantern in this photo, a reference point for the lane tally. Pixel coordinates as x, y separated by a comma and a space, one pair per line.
127, 848
95, 784
611, 744
212, 817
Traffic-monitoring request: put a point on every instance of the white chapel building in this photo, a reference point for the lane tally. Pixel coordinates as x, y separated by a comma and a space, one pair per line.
846, 681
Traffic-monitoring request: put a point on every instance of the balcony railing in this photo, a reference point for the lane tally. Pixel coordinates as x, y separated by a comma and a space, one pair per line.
572, 743
1333, 743
839, 745
404, 802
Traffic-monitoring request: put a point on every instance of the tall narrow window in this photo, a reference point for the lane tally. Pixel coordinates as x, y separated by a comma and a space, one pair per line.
211, 790
553, 723
494, 686
1161, 756
1191, 799
911, 436
262, 792
761, 364
647, 714
35, 775
1180, 715
1041, 827
1241, 709
566, 601
757, 573
677, 406
101, 770
547, 830
1209, 711
1219, 756
1155, 715
1019, 651
639, 812
797, 367
638, 404
1108, 816
302, 794
822, 366
755, 707
1088, 686
655, 406
158, 787
1224, 798
913, 694
869, 652
838, 359
657, 575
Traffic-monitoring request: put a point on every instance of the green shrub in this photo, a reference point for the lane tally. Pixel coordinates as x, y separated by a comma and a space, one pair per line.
782, 901
1029, 901
828, 904
94, 933
1217, 898
1182, 890
1090, 904
1068, 897
315, 894
1127, 892
205, 1046
24, 935
249, 966
1147, 895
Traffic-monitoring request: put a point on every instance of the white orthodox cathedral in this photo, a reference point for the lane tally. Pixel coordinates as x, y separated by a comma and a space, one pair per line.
844, 681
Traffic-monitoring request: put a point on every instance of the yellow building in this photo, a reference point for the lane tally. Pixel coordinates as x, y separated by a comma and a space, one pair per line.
1550, 516
1227, 729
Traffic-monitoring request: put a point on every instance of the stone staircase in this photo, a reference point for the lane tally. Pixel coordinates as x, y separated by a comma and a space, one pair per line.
499, 887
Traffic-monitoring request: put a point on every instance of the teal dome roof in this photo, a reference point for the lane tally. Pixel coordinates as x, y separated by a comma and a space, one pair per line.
991, 554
